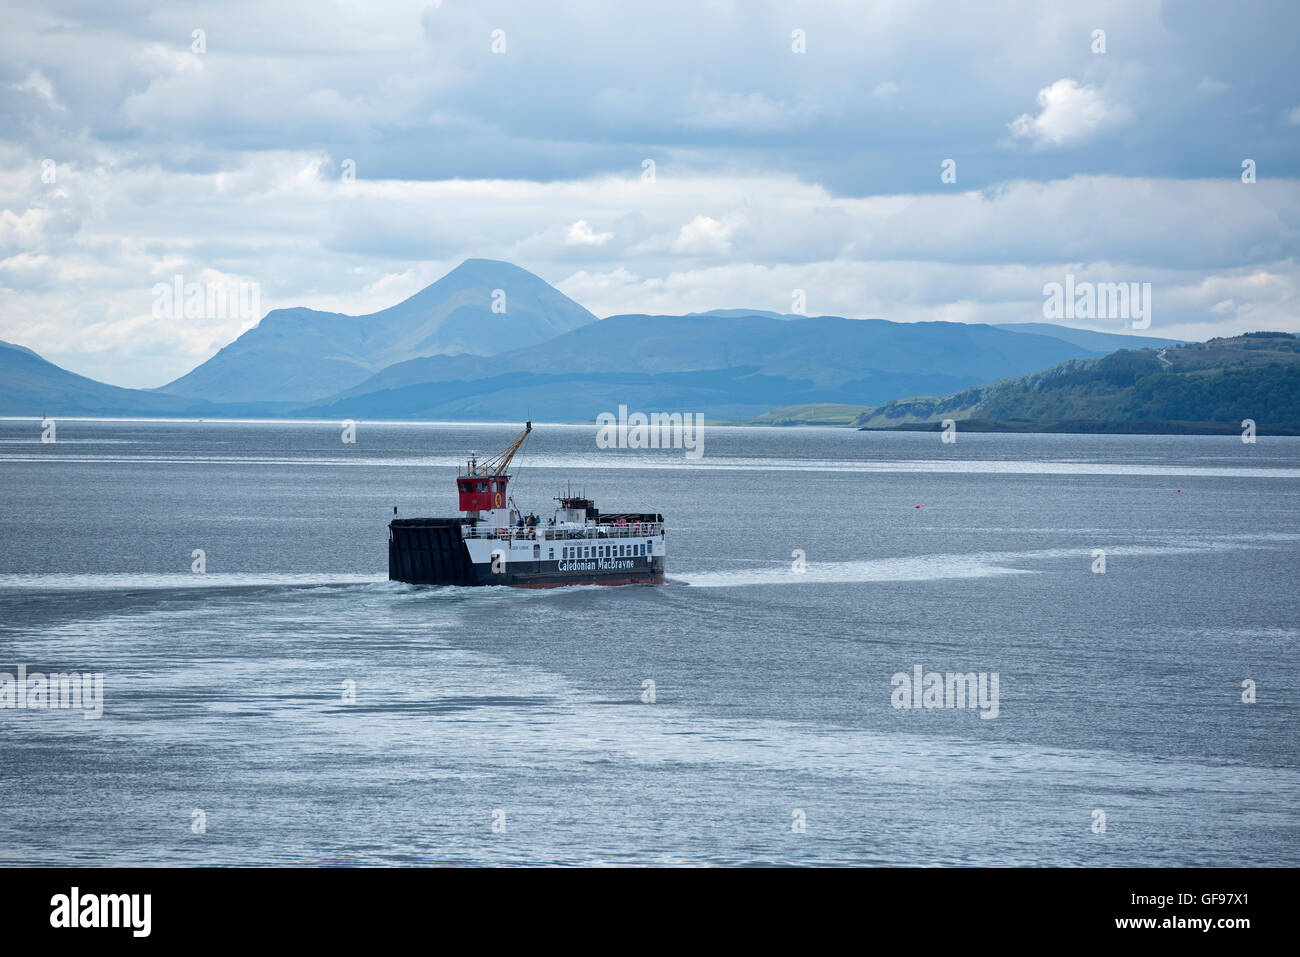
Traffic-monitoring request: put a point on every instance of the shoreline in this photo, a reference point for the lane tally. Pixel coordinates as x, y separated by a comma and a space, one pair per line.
1070, 427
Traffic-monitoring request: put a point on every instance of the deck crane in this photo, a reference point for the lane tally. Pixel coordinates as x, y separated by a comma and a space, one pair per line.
496, 465
483, 485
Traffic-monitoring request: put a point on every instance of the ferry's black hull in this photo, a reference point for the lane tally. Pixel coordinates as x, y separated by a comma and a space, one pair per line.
431, 551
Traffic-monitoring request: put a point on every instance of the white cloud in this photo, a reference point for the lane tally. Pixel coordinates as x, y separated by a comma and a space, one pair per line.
1187, 304
158, 59
1070, 114
884, 91
40, 85
77, 262
703, 235
581, 234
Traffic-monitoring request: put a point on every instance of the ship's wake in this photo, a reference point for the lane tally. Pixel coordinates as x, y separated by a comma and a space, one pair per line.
148, 581
937, 567
921, 568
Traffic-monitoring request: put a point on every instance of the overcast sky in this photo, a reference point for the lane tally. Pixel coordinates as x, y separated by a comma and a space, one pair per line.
774, 170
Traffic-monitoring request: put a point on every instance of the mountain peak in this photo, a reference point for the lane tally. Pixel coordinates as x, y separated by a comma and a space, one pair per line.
487, 269
478, 261
484, 276
482, 307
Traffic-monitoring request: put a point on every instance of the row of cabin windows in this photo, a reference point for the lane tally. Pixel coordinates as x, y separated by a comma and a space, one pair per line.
481, 486
600, 551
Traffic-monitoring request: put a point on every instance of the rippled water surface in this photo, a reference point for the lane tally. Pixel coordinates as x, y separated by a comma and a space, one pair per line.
225, 691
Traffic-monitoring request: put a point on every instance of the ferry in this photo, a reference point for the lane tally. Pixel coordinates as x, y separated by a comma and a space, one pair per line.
492, 542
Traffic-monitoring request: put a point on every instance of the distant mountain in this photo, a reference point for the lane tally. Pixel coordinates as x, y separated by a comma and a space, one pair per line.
734, 313
1088, 339
31, 386
297, 355
721, 366
812, 413
445, 353
1197, 387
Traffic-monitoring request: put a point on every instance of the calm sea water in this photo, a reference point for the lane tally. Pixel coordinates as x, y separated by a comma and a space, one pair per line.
224, 691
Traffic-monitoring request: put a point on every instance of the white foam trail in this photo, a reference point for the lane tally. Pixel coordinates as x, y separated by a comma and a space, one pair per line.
123, 581
923, 568
937, 567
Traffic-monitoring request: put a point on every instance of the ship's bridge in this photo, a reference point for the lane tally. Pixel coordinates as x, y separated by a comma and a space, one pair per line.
482, 493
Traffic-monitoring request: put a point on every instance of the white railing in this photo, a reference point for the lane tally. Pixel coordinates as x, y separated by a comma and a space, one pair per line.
550, 533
